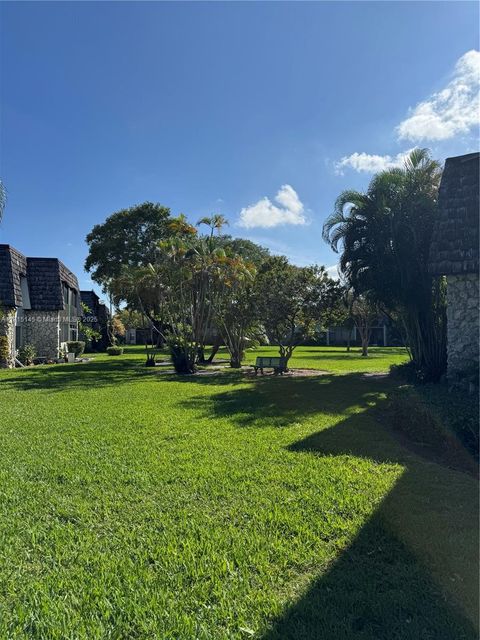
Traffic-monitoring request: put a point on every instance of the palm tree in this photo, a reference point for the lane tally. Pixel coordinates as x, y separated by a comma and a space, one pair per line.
216, 221
384, 237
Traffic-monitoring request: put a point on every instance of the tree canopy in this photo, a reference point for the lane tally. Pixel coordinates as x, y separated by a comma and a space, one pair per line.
384, 238
127, 239
294, 301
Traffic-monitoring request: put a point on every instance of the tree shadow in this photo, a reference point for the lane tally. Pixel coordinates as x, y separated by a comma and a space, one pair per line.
56, 378
266, 401
412, 571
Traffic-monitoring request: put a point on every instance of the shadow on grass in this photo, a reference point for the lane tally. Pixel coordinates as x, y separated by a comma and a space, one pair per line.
55, 378
411, 573
266, 401
377, 590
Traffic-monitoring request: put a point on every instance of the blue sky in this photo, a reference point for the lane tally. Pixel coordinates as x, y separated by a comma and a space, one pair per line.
264, 112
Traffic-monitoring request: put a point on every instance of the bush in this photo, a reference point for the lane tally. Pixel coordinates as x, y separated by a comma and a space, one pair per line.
76, 346
26, 354
408, 372
114, 351
183, 359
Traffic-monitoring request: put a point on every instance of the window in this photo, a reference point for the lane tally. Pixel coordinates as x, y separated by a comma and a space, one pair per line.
73, 331
25, 293
19, 329
64, 331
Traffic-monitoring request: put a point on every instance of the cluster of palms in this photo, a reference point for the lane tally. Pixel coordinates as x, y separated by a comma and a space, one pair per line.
193, 284
198, 285
383, 237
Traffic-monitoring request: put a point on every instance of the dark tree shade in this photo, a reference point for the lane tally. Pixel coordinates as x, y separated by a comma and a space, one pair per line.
127, 238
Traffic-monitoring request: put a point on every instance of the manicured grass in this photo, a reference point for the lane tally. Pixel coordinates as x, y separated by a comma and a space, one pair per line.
136, 504
337, 359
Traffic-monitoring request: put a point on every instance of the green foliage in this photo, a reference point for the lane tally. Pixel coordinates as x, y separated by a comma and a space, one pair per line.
183, 355
127, 239
249, 251
76, 346
384, 236
293, 301
26, 354
89, 333
114, 351
131, 318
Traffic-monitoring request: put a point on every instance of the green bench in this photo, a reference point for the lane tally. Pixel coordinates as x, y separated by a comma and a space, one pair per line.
278, 364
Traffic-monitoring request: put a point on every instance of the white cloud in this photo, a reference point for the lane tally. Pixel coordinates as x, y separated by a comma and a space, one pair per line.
370, 163
266, 214
333, 272
452, 111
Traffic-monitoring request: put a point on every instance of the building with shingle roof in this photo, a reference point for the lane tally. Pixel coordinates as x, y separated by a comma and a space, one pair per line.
39, 302
454, 253
95, 318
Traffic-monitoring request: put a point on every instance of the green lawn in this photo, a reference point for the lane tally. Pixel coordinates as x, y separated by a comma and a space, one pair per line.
136, 504
337, 359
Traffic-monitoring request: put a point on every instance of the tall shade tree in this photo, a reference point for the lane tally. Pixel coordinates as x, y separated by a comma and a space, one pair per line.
383, 237
294, 302
127, 239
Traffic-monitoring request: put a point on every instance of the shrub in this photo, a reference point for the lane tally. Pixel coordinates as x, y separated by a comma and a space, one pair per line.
183, 358
408, 372
76, 346
26, 354
114, 351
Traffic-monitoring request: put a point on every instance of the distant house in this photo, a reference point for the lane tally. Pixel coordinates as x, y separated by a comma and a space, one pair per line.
455, 254
139, 335
95, 318
383, 334
39, 303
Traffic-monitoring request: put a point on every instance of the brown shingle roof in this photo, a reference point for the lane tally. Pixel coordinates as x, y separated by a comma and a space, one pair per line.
455, 240
12, 265
44, 277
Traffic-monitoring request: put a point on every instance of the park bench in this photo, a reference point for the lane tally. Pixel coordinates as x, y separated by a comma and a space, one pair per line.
278, 364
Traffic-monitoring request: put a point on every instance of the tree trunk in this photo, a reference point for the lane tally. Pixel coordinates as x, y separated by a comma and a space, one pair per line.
364, 348
215, 347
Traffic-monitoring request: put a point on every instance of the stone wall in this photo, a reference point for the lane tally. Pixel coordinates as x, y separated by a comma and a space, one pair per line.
7, 328
463, 323
42, 330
